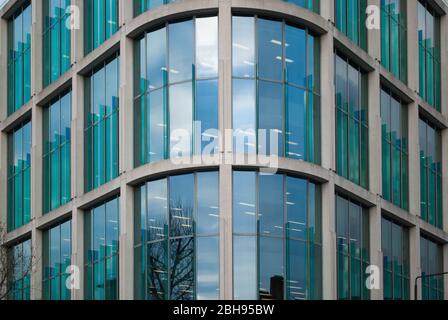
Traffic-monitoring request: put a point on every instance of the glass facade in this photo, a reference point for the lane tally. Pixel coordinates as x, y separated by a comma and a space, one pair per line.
431, 206
56, 39
277, 246
429, 55
19, 58
431, 262
56, 159
19, 176
352, 228
101, 241
177, 238
101, 96
57, 250
276, 88
19, 277
176, 91
141, 6
352, 131
100, 22
394, 37
394, 143
395, 249
350, 17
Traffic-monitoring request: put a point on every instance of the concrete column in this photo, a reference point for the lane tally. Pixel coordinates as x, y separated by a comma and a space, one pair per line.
36, 48
3, 69
36, 162
3, 179
78, 251
77, 36
225, 172
374, 132
374, 35
126, 114
412, 39
77, 143
327, 10
414, 159
37, 254
329, 265
126, 257
328, 103
126, 12
376, 255
414, 260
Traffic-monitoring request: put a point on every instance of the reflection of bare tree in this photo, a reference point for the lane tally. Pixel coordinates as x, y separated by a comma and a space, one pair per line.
180, 259
15, 266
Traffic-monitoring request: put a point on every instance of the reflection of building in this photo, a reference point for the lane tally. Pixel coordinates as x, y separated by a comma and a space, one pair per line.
90, 121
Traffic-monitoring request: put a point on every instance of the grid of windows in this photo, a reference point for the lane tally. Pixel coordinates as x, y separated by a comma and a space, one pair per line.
101, 96
276, 102
352, 228
394, 37
19, 276
56, 39
394, 149
350, 16
431, 208
100, 22
57, 248
19, 176
19, 58
176, 91
101, 238
352, 132
431, 263
56, 159
176, 238
429, 54
276, 239
395, 249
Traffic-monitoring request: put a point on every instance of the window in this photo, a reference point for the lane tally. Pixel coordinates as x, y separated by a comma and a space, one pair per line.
276, 239
57, 250
431, 208
394, 149
352, 228
429, 55
176, 91
313, 5
141, 6
102, 231
100, 22
393, 37
177, 238
352, 132
395, 248
431, 263
19, 176
56, 39
19, 276
101, 124
275, 89
350, 18
56, 159
19, 58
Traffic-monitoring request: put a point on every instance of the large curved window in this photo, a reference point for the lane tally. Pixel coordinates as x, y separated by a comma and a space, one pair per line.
176, 225
275, 89
176, 89
276, 238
